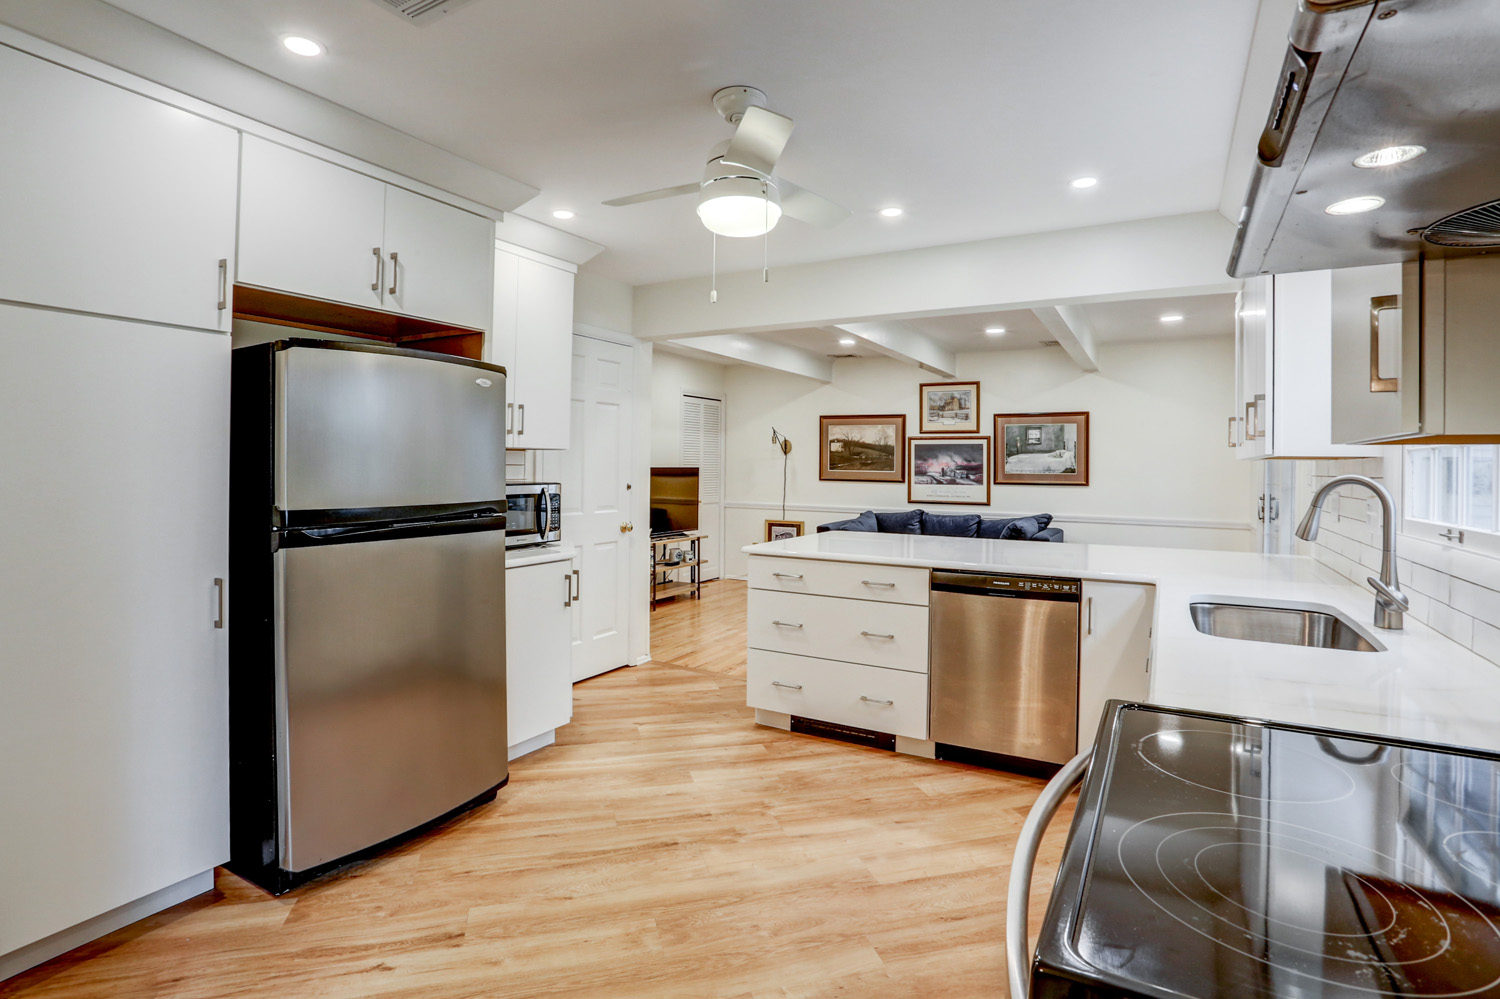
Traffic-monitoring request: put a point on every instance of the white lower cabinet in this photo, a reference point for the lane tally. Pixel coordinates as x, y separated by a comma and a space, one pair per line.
538, 653
114, 755
893, 636
868, 697
1114, 649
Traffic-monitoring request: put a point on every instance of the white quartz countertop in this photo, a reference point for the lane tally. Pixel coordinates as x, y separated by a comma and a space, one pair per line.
536, 555
1420, 686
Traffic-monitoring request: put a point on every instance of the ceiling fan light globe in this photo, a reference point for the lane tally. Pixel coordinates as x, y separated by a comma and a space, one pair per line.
738, 207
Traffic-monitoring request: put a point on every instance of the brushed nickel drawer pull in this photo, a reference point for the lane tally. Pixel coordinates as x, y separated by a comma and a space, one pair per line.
785, 624
871, 634
871, 582
788, 686
876, 700
787, 575
379, 269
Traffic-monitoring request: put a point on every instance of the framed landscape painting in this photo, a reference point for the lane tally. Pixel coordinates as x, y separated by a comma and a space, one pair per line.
863, 448
1042, 449
949, 470
949, 407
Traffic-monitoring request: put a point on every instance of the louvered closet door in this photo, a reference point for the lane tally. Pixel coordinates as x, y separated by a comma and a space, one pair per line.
703, 447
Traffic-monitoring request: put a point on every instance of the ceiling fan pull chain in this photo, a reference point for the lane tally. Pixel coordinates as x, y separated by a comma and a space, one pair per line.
765, 245
713, 281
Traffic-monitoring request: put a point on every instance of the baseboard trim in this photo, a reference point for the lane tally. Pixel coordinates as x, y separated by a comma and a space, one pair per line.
61, 942
531, 745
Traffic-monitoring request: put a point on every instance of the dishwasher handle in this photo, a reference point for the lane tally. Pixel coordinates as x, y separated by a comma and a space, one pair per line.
1017, 950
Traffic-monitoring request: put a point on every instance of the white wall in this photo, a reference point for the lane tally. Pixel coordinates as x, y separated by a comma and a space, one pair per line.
672, 377
1159, 471
602, 302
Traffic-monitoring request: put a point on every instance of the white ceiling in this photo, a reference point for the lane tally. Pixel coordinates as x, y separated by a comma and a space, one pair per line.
973, 115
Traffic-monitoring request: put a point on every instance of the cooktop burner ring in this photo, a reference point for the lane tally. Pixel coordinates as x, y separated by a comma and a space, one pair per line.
1340, 784
1316, 845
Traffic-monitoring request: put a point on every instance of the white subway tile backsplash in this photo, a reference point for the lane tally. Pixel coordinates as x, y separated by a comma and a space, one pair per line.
1421, 606
1431, 582
1487, 641
1454, 624
1476, 601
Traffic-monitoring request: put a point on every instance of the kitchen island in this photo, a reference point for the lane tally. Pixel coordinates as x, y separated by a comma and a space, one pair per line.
1417, 685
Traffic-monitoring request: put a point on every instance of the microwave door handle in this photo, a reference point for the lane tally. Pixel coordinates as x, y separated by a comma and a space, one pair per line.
1017, 952
544, 514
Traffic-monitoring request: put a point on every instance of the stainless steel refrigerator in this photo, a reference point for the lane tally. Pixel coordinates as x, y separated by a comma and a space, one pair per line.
367, 595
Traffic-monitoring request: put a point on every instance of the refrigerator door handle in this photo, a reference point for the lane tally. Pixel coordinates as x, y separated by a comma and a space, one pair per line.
321, 533
219, 586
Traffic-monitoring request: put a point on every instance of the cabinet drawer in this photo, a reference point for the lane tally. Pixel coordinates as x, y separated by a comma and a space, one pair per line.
896, 584
856, 631
845, 693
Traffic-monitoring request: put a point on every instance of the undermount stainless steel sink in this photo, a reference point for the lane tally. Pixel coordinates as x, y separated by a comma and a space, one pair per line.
1284, 625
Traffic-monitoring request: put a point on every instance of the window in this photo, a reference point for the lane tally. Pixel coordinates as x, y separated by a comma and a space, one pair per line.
1450, 487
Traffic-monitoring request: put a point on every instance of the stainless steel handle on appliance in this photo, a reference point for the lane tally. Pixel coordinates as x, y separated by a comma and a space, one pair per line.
544, 514
1232, 441
395, 272
1088, 613
871, 634
788, 686
876, 700
785, 624
379, 269
787, 575
1017, 953
521, 412
871, 582
219, 585
223, 284
1378, 305
567, 590
577, 586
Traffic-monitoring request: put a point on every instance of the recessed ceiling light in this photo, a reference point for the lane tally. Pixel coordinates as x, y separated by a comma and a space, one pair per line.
1171, 317
994, 330
846, 342
890, 213
562, 213
302, 46
1083, 182
1389, 155
1353, 206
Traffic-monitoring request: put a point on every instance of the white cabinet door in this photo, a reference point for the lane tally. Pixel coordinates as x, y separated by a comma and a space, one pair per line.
1114, 654
112, 203
538, 649
500, 343
544, 355
1377, 366
437, 261
309, 227
1254, 317
114, 757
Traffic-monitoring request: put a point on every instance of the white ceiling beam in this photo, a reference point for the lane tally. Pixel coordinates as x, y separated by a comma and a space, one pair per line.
1173, 255
903, 342
1073, 333
761, 354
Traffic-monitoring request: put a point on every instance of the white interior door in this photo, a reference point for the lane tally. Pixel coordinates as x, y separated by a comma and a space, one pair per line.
594, 472
703, 448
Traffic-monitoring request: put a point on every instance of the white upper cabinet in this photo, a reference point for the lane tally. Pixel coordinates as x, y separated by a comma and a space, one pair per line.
437, 260
309, 227
112, 203
532, 336
1283, 360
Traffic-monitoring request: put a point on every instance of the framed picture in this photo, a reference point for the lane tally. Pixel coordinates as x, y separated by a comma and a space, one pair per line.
949, 407
1042, 449
863, 448
780, 530
949, 470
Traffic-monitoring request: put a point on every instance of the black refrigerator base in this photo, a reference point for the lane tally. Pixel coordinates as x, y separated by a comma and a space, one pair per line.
278, 881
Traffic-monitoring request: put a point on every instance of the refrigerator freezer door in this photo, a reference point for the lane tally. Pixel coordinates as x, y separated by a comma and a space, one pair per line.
390, 687
366, 429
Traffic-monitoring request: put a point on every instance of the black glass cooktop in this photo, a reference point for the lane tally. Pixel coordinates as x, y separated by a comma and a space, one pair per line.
1213, 856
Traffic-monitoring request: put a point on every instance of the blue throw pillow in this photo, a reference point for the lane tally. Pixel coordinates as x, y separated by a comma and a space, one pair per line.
1021, 529
951, 525
993, 527
902, 522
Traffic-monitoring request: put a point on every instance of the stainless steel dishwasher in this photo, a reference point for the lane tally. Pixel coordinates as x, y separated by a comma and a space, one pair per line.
1005, 664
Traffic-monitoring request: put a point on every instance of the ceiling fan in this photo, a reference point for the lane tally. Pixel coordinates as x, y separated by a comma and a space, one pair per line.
740, 194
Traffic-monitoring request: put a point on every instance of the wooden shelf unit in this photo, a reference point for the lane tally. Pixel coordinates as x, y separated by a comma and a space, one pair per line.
664, 584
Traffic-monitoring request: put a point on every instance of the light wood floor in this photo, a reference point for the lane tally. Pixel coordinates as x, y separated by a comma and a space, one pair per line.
666, 847
707, 633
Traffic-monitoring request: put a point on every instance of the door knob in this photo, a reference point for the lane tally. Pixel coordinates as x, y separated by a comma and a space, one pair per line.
626, 528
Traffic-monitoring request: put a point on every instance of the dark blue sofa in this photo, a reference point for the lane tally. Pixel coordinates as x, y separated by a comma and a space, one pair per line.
952, 525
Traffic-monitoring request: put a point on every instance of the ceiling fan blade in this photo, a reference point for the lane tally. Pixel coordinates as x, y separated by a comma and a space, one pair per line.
814, 209
666, 192
759, 140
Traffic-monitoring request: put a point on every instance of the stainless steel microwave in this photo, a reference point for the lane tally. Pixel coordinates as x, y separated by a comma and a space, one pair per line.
533, 513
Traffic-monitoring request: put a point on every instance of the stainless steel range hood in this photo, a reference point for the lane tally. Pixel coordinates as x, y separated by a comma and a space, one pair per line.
1362, 75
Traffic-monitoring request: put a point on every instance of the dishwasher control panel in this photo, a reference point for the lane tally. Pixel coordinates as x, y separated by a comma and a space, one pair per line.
1025, 584
982, 582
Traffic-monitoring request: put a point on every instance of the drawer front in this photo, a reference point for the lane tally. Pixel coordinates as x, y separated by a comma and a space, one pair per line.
896, 584
857, 631
845, 693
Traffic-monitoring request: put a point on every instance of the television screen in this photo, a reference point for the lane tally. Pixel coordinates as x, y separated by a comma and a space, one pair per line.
674, 499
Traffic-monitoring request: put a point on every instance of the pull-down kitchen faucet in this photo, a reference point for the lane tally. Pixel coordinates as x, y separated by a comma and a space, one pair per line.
1390, 602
